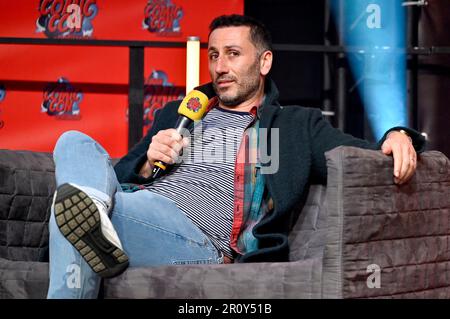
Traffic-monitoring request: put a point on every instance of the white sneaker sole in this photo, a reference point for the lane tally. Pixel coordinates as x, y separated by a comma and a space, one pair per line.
78, 220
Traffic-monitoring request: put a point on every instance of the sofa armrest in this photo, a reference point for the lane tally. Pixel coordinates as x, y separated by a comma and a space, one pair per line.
26, 187
402, 230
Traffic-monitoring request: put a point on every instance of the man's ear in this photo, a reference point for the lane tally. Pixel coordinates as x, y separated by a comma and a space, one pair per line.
266, 62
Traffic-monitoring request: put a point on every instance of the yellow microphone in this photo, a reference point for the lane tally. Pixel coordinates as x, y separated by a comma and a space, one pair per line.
192, 108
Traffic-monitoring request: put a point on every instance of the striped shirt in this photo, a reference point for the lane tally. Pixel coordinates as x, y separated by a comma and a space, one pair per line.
202, 185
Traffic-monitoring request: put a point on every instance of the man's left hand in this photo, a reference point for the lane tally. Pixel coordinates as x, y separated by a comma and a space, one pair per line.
405, 156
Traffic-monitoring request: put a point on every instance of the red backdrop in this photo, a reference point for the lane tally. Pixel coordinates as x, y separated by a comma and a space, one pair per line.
46, 90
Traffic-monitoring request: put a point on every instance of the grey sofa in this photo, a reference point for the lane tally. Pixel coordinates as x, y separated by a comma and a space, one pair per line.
361, 236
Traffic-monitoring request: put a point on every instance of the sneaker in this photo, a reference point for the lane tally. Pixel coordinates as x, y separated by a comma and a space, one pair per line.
84, 221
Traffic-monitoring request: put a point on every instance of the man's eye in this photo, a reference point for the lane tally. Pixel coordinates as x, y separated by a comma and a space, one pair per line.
234, 53
213, 56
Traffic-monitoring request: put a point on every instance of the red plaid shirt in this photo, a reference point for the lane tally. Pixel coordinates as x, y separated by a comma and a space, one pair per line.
251, 201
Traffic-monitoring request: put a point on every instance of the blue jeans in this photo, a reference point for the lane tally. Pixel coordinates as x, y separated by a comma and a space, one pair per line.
152, 229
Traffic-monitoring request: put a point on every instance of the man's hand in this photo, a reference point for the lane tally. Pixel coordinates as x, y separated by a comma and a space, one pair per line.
166, 145
405, 157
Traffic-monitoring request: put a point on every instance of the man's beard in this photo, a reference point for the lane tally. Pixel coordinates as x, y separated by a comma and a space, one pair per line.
246, 88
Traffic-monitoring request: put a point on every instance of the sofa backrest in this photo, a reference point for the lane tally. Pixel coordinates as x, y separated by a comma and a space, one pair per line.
27, 184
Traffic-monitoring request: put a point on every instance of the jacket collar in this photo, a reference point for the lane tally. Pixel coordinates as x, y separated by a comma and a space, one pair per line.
270, 96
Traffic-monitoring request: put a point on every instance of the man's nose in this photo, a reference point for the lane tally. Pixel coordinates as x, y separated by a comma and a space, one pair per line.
221, 66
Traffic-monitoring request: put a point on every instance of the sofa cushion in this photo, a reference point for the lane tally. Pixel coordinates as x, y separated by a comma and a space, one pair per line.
23, 279
307, 237
299, 279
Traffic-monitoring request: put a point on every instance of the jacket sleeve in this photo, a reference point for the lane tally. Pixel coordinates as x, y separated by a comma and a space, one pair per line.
127, 169
324, 137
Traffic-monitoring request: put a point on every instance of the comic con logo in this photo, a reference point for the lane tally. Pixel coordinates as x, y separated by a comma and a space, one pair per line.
66, 18
2, 93
62, 100
2, 97
162, 17
157, 92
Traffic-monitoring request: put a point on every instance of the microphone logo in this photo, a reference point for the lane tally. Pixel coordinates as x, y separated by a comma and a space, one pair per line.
194, 104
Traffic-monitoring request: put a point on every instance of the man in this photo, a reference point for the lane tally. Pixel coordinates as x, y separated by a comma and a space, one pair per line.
201, 211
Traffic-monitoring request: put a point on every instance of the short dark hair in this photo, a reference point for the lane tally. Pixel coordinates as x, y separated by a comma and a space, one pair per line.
258, 32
